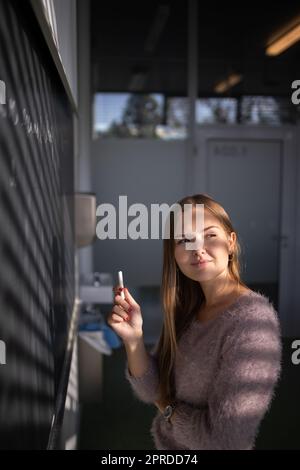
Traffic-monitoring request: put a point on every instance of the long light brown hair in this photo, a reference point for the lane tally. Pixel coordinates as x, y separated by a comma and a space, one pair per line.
182, 297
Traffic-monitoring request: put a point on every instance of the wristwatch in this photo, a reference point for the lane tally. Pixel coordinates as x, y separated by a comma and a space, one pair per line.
168, 411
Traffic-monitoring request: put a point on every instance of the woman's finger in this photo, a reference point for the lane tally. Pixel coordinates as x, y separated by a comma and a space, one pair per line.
117, 318
129, 298
119, 301
120, 311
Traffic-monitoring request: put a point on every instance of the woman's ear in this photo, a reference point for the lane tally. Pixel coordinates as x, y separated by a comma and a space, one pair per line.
232, 240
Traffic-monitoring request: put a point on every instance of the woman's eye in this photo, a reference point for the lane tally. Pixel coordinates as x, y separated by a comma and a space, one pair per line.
187, 240
183, 240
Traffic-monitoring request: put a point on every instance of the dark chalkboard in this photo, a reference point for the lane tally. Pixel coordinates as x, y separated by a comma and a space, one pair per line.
36, 230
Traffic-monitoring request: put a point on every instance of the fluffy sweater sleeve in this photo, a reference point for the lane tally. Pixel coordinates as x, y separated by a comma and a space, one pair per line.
249, 367
145, 387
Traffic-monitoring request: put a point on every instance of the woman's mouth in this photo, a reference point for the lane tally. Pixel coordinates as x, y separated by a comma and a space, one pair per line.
200, 264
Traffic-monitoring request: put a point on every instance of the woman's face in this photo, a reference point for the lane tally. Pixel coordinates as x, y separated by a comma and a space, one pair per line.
213, 251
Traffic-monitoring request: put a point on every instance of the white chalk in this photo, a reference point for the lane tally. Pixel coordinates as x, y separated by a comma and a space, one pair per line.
121, 283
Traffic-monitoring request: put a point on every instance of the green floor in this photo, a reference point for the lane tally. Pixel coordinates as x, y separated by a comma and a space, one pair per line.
280, 428
122, 422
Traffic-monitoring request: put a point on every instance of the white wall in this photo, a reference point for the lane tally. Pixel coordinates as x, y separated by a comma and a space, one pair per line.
147, 171
295, 275
152, 171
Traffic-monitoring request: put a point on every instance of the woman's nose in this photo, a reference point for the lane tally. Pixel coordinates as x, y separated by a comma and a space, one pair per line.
201, 249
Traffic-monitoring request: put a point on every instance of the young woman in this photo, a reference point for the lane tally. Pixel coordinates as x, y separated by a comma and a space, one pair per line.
213, 372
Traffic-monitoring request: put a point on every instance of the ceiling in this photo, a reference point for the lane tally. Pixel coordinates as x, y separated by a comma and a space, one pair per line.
142, 46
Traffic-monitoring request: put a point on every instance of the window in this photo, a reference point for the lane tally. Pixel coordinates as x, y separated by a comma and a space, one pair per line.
155, 116
216, 111
127, 115
268, 110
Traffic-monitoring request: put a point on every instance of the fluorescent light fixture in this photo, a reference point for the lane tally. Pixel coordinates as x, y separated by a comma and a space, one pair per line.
225, 85
284, 38
284, 42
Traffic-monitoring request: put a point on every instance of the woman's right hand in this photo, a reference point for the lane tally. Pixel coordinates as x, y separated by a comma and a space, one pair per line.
126, 317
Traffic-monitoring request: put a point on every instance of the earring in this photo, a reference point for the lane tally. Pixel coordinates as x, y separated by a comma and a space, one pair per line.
230, 257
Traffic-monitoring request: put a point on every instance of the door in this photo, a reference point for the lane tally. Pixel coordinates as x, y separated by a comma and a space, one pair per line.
251, 172
244, 176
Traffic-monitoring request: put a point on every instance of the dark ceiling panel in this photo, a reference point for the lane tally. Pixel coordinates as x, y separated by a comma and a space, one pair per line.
230, 37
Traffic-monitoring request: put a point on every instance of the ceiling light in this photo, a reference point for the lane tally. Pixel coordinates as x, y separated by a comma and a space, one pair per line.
224, 85
284, 39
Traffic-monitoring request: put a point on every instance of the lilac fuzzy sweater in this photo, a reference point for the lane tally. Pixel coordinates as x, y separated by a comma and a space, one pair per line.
225, 375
